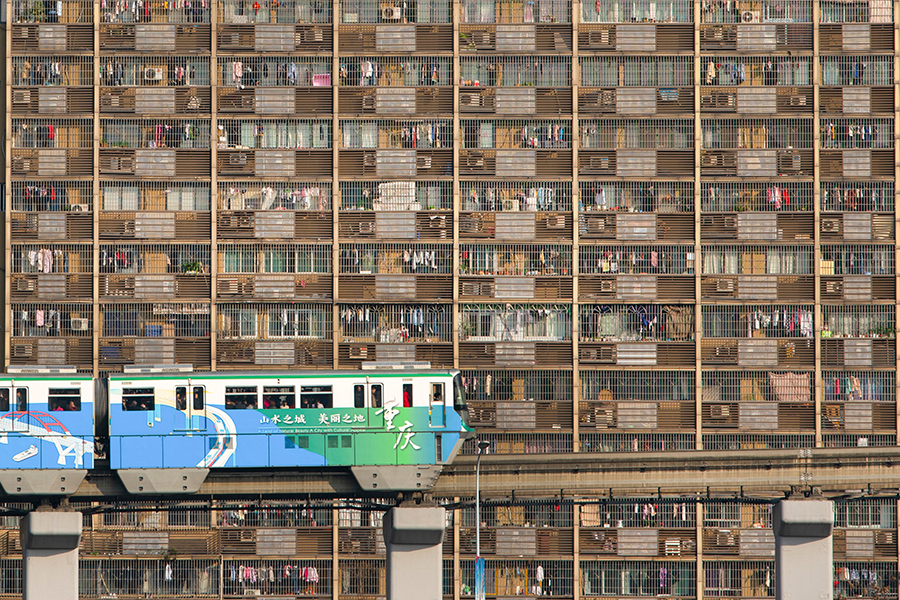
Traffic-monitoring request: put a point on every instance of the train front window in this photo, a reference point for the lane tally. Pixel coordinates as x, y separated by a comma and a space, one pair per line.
459, 398
64, 399
278, 396
240, 398
316, 396
138, 399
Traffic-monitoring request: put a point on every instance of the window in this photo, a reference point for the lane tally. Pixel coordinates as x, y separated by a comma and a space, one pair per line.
138, 398
239, 260
240, 398
278, 397
303, 441
295, 259
437, 393
298, 322
376, 395
315, 396
407, 395
198, 398
4, 399
340, 441
359, 396
22, 400
181, 398
64, 399
240, 323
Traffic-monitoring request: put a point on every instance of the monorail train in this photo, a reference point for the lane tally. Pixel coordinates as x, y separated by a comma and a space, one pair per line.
166, 428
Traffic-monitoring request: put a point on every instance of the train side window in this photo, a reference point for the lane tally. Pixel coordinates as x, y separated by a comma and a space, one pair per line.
437, 393
303, 441
240, 397
138, 398
407, 395
181, 398
4, 399
359, 396
64, 399
281, 396
198, 398
316, 396
376, 396
22, 400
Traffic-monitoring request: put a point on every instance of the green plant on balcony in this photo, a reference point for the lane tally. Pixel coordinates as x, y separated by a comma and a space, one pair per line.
192, 268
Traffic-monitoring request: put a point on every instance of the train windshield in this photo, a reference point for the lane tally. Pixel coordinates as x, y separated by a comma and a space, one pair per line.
459, 398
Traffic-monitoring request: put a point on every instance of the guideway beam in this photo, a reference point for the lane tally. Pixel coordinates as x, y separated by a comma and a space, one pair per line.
50, 541
804, 559
413, 535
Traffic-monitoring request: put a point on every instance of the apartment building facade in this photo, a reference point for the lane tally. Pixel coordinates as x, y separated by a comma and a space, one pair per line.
638, 226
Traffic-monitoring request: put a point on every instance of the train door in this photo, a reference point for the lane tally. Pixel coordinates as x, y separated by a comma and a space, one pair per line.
197, 408
438, 405
191, 402
368, 396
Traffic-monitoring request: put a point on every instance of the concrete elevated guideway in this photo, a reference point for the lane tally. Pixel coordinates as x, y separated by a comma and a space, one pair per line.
752, 471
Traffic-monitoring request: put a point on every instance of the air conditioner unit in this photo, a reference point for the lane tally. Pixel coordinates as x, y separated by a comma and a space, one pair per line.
719, 411
834, 287
750, 16
21, 96
830, 225
556, 222
596, 225
390, 13
25, 285
604, 417
81, 324
153, 74
470, 99
725, 285
20, 165
726, 538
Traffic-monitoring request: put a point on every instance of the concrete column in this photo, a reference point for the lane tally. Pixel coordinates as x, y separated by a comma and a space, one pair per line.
50, 554
804, 560
413, 536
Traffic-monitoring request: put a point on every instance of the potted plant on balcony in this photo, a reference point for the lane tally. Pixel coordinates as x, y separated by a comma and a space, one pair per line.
192, 268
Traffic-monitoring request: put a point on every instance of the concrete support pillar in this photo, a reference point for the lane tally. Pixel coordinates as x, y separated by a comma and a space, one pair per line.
804, 559
50, 554
413, 535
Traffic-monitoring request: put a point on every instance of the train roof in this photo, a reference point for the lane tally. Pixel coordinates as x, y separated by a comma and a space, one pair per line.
33, 376
243, 375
